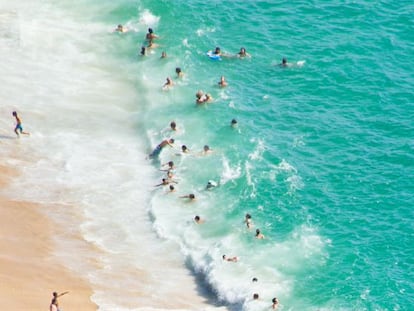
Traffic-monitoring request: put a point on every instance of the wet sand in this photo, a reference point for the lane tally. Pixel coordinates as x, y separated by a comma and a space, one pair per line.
29, 272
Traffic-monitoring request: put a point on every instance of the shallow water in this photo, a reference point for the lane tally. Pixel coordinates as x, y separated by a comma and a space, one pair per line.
321, 158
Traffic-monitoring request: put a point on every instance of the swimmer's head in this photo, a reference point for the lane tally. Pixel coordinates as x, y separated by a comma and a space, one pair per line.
254, 280
170, 163
14, 113
163, 54
255, 296
274, 300
191, 196
184, 148
171, 188
206, 148
197, 218
173, 125
284, 61
248, 216
257, 231
171, 141
233, 122
242, 50
224, 257
150, 30
178, 70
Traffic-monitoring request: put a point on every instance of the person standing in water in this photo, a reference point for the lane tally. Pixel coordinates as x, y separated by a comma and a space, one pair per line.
18, 127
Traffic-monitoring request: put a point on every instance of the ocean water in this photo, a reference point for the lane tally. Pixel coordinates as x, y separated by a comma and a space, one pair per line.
322, 157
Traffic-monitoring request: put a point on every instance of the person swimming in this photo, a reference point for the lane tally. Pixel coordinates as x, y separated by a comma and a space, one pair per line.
168, 84
156, 152
259, 235
233, 123
222, 82
150, 35
143, 51
179, 72
231, 259
284, 62
120, 28
243, 53
164, 54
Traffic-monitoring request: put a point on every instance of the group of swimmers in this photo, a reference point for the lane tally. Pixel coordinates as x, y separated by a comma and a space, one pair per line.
169, 167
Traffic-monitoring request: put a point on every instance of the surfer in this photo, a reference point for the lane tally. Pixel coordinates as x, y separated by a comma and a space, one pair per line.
156, 152
18, 127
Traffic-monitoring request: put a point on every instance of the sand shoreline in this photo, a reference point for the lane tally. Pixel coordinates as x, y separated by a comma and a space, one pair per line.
29, 272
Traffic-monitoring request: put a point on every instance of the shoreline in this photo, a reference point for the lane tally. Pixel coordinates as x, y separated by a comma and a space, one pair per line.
29, 271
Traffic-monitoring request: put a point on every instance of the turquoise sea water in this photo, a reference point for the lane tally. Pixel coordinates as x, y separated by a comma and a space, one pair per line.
322, 157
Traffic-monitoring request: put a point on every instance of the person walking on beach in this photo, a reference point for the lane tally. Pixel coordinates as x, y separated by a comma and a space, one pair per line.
18, 127
54, 305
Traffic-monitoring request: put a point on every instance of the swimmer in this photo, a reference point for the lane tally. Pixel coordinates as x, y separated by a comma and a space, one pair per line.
275, 303
156, 152
200, 97
233, 123
255, 296
165, 182
198, 220
254, 280
184, 149
168, 84
170, 166
152, 45
172, 189
259, 235
189, 196
151, 35
211, 184
18, 127
206, 150
164, 54
143, 51
243, 53
120, 28
284, 63
217, 51
232, 259
173, 126
222, 82
248, 220
179, 72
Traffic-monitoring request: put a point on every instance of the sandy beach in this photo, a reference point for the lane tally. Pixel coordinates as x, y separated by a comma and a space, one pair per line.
28, 271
